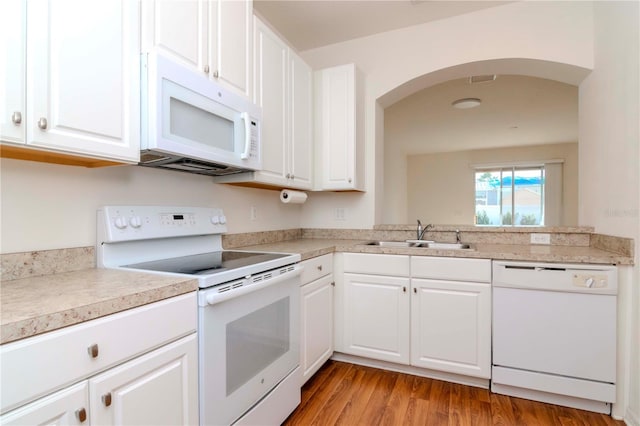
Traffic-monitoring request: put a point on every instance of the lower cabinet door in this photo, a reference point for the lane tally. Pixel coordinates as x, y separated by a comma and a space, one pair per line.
159, 388
376, 317
69, 406
451, 326
316, 327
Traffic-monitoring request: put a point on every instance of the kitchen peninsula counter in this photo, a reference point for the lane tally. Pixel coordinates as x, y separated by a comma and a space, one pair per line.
50, 301
35, 305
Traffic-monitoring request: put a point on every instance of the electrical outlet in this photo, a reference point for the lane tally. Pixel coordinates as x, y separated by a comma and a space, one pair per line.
340, 213
537, 238
254, 213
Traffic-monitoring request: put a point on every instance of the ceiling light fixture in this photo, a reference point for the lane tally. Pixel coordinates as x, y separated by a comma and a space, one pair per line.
466, 103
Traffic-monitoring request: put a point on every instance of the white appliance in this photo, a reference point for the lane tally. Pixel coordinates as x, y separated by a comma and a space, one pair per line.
554, 333
248, 306
191, 124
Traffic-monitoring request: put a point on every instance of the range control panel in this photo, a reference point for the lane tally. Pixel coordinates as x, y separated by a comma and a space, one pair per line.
128, 223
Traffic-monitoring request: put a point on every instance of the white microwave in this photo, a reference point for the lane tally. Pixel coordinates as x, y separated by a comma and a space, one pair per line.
192, 124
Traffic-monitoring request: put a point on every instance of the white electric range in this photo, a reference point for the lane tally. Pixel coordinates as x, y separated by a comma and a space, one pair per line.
248, 306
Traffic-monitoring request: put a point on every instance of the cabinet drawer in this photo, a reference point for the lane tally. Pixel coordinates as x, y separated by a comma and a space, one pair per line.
316, 268
38, 365
377, 264
451, 268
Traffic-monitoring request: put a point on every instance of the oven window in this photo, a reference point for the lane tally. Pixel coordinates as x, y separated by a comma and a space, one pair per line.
255, 341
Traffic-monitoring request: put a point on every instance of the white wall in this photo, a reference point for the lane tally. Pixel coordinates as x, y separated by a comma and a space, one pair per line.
535, 38
610, 158
47, 206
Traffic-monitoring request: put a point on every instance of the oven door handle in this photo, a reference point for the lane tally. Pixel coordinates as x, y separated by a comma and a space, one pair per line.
214, 297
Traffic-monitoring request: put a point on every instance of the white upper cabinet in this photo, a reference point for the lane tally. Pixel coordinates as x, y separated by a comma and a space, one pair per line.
284, 91
301, 113
74, 89
211, 36
13, 27
339, 133
230, 45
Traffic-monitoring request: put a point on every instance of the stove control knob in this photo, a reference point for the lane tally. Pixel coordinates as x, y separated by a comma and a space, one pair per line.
215, 220
135, 221
120, 222
223, 219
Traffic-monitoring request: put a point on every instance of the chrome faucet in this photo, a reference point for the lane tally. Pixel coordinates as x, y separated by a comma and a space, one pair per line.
421, 231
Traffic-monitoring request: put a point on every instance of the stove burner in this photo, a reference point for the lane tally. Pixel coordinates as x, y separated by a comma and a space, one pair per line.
206, 263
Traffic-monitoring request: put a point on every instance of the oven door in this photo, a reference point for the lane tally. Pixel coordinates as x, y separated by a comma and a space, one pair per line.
248, 344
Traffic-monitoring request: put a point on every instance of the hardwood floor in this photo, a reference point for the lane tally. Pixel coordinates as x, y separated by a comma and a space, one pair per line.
347, 394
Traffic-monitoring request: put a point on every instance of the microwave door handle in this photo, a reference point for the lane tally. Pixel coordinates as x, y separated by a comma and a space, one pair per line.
244, 116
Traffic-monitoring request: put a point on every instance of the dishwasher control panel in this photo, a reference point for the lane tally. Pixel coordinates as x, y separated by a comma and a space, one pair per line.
587, 280
570, 278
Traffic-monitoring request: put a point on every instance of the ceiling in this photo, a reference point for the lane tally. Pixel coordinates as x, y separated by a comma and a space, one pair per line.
515, 111
308, 24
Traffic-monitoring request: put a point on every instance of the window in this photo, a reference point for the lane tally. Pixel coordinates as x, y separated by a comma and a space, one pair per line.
510, 196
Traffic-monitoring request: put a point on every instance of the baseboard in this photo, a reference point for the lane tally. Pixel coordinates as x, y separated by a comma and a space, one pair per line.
407, 369
631, 418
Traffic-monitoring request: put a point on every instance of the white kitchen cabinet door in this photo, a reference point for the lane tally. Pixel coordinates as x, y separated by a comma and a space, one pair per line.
83, 77
316, 302
13, 44
301, 136
338, 135
451, 326
177, 29
271, 94
160, 387
230, 48
213, 37
69, 406
376, 317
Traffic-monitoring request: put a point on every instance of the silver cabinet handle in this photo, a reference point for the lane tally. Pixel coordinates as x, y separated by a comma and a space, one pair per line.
106, 399
81, 415
288, 176
350, 180
206, 69
333, 283
42, 123
93, 351
415, 290
404, 289
216, 74
16, 117
319, 267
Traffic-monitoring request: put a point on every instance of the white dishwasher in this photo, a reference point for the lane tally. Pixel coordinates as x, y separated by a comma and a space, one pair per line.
554, 333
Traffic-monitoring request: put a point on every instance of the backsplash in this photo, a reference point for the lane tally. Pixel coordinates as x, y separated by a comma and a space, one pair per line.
45, 262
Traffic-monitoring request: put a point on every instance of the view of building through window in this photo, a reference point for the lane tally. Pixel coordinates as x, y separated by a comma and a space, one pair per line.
510, 196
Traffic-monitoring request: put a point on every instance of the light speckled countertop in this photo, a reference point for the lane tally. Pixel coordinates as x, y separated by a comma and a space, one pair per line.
31, 306
35, 305
312, 247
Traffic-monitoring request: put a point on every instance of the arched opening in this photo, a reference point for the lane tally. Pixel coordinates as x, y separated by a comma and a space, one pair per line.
542, 119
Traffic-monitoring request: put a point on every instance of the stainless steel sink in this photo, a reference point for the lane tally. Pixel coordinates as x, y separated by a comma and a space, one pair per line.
391, 244
421, 244
448, 246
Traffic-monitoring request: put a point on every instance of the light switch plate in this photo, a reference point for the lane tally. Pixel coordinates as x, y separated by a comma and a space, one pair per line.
537, 238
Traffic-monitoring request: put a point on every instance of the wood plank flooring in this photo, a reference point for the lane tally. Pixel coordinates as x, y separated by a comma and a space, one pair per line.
347, 394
